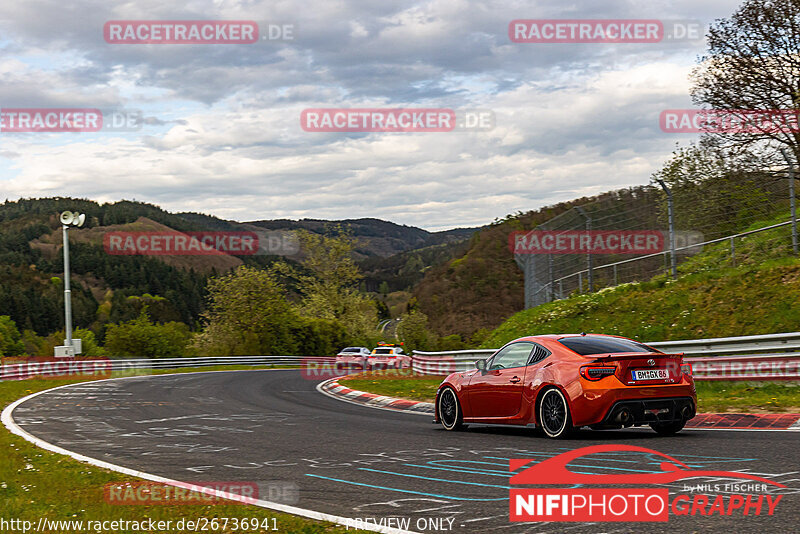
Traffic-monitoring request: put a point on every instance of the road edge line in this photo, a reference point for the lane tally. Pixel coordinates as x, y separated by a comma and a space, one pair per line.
7, 419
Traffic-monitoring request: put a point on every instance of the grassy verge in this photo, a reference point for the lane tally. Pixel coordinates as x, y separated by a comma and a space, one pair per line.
35, 483
395, 384
747, 397
746, 300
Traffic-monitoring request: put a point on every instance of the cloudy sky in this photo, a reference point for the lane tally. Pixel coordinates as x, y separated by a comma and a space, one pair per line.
222, 132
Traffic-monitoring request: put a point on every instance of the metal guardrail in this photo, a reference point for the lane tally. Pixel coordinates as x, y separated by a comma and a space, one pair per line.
733, 345
764, 357
758, 367
102, 366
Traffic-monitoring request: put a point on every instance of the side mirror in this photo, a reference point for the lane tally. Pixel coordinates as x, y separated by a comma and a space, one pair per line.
480, 365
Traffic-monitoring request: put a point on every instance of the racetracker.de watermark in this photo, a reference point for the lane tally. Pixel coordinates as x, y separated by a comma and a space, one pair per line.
604, 31
55, 368
602, 242
395, 120
173, 243
321, 368
740, 121
765, 368
77, 120
195, 32
586, 242
148, 493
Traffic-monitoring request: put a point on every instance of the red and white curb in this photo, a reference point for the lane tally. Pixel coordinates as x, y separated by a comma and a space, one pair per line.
746, 421
702, 421
332, 388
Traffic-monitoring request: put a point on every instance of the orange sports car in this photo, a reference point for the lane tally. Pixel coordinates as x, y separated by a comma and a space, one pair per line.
562, 382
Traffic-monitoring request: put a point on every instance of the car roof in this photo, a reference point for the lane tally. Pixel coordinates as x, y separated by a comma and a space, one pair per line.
556, 337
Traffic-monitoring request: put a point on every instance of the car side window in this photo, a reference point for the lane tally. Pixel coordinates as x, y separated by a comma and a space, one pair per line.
538, 354
514, 355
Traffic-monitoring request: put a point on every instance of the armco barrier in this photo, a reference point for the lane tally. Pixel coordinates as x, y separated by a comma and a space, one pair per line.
742, 345
443, 363
766, 357
759, 367
17, 371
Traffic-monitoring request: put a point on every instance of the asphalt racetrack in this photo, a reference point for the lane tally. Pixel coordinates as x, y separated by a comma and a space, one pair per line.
272, 427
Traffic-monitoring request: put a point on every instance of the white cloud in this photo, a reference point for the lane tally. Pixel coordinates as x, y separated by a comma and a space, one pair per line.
571, 120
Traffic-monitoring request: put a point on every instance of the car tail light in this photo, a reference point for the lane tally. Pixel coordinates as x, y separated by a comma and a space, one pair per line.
686, 368
597, 372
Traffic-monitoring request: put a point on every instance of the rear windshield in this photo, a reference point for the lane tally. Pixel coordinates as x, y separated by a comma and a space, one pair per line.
352, 349
588, 345
384, 351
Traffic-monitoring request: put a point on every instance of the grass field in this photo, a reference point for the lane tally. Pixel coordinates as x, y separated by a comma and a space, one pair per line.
38, 484
747, 397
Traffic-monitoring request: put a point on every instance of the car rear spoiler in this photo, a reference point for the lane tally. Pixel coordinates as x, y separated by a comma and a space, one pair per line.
634, 356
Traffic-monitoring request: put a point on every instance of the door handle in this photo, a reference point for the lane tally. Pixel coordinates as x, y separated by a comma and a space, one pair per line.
514, 380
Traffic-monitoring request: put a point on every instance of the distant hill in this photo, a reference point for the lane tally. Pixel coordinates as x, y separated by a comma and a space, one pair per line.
481, 287
376, 237
50, 245
114, 288
402, 271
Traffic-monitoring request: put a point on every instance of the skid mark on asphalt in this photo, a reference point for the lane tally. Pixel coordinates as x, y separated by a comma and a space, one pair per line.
434, 479
449, 497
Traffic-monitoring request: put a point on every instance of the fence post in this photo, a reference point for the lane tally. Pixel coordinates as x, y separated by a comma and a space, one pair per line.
589, 257
733, 251
791, 199
671, 217
615, 274
580, 281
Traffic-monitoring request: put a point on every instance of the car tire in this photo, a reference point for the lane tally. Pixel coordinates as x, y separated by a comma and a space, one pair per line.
553, 413
449, 410
668, 429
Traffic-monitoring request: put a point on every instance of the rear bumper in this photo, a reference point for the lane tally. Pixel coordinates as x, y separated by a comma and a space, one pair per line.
645, 411
383, 364
350, 364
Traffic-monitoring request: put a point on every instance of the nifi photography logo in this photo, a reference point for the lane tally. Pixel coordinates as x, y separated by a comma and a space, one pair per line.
579, 502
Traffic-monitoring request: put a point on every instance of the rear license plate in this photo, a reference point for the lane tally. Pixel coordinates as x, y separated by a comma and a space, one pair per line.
650, 374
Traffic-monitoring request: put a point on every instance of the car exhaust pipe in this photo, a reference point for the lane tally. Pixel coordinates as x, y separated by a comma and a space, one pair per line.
686, 413
624, 417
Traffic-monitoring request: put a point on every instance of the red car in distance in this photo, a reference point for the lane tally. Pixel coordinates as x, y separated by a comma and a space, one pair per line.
563, 382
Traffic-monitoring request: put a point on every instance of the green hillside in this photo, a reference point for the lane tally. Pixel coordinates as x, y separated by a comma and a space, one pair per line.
375, 237
711, 298
110, 289
484, 286
713, 197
